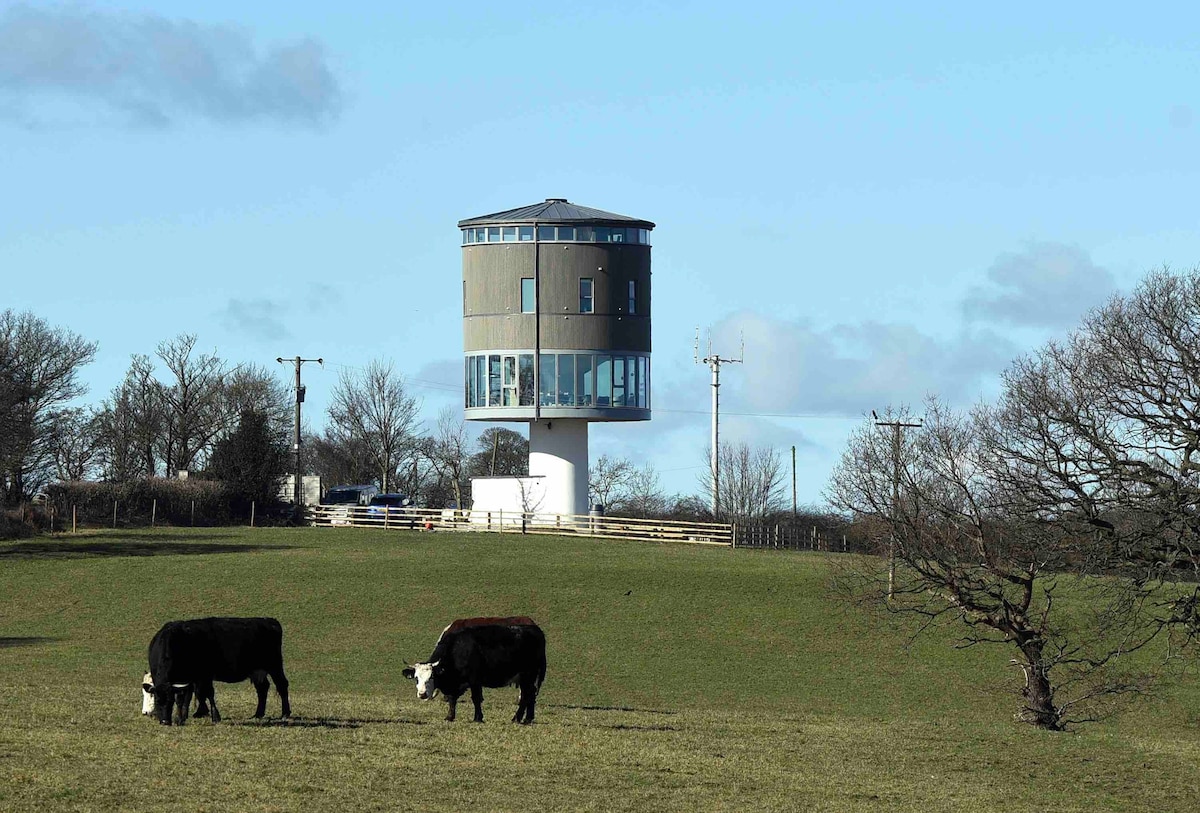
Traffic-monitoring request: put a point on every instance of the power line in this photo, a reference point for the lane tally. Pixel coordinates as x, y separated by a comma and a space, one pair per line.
806, 415
420, 382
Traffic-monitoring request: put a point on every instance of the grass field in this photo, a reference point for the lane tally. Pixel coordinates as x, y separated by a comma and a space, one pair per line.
680, 678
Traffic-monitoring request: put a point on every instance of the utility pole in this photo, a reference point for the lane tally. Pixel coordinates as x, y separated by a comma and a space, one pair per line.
897, 427
793, 482
714, 363
297, 488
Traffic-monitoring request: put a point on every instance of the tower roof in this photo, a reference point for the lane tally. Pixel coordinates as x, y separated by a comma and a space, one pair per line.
556, 210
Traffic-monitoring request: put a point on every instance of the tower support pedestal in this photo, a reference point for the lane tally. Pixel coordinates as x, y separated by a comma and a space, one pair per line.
558, 451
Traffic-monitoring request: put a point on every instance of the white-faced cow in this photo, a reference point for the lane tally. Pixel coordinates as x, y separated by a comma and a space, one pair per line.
476, 652
187, 656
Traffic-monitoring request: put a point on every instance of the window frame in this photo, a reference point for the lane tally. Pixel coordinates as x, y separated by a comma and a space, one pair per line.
528, 305
590, 298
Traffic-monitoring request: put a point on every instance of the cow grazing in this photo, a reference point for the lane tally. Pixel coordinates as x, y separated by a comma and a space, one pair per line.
187, 656
476, 652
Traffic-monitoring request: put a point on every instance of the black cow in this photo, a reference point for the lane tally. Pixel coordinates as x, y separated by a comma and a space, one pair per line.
493, 652
187, 655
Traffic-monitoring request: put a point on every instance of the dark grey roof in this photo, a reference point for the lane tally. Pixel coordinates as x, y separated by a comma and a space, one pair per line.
556, 210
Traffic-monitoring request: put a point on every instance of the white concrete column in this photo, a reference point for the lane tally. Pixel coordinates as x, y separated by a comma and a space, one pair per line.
558, 451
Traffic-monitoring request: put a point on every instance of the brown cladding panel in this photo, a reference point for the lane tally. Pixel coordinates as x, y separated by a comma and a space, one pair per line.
492, 276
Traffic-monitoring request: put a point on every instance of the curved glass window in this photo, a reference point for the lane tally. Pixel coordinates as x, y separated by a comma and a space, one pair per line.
493, 381
584, 383
567, 379
555, 234
526, 379
546, 379
604, 381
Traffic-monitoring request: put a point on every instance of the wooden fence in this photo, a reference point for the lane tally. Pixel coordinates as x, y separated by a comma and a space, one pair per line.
516, 522
787, 537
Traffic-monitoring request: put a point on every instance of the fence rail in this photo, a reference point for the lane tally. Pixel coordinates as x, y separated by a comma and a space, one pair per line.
780, 536
508, 522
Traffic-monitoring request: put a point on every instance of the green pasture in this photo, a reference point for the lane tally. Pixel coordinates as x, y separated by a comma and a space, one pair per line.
680, 678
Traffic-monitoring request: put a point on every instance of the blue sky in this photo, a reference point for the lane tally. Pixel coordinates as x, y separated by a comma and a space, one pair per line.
887, 202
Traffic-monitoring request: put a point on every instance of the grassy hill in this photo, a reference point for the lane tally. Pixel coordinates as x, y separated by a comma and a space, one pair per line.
680, 678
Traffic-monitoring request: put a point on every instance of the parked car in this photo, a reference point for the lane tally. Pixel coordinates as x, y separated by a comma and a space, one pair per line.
382, 505
346, 500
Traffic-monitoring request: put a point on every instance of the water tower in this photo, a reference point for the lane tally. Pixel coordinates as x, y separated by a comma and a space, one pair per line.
556, 333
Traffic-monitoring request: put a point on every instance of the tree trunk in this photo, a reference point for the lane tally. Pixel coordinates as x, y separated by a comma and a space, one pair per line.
1038, 693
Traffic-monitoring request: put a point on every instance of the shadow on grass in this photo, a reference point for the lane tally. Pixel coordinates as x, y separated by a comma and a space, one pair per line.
88, 550
33, 640
320, 722
625, 709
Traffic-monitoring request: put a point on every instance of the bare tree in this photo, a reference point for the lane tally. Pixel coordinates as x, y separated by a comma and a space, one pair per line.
752, 481
501, 452
373, 409
447, 453
642, 495
39, 368
255, 388
965, 549
75, 443
532, 494
194, 410
130, 425
608, 478
147, 426
1103, 429
337, 459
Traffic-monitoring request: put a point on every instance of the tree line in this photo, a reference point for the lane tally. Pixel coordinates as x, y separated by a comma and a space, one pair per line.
182, 409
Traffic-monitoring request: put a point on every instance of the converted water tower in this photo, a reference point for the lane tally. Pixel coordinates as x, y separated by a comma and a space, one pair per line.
556, 332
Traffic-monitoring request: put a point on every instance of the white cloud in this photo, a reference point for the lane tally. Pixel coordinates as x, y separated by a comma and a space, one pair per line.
791, 367
256, 318
1048, 285
70, 65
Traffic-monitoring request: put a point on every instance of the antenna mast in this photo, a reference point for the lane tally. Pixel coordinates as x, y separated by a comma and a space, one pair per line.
714, 363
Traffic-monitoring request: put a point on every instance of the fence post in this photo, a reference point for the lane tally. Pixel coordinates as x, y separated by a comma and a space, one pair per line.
52, 518
193, 513
734, 536
252, 513
387, 516
74, 519
153, 511
114, 515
